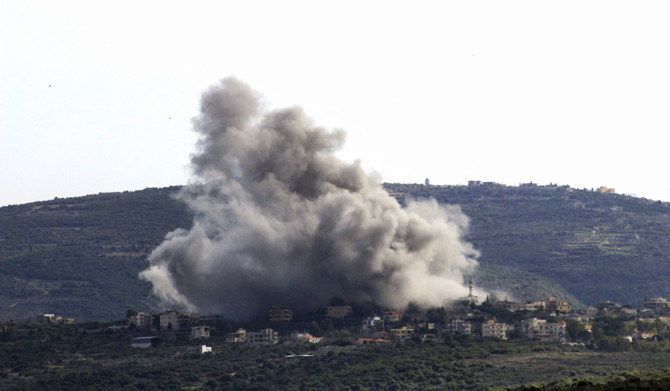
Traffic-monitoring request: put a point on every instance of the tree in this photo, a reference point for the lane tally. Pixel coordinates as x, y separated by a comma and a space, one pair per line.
573, 328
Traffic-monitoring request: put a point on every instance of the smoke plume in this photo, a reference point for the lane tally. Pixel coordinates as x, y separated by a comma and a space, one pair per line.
279, 220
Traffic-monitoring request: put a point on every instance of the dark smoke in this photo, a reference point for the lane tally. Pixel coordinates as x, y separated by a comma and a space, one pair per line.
279, 220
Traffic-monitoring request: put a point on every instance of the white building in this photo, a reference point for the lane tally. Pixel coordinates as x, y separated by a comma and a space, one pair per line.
491, 329
540, 329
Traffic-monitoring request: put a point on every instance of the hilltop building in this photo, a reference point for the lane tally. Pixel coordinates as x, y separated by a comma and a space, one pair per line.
470, 298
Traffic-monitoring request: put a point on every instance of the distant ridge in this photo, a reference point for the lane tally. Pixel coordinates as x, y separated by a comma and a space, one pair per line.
79, 257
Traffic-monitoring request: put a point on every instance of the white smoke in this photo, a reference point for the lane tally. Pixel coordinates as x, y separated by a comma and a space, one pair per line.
280, 220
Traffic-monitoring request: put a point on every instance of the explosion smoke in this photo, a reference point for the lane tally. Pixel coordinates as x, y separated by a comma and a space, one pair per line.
280, 220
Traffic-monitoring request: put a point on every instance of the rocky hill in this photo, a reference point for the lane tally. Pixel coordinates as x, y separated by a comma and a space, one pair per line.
79, 257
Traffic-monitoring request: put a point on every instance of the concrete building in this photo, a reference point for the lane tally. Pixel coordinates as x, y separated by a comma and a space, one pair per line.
491, 329
402, 334
263, 337
558, 306
238, 336
535, 328
459, 326
169, 321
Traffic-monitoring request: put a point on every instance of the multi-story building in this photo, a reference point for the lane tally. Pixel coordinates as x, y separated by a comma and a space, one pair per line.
540, 329
280, 314
402, 334
169, 320
459, 326
263, 337
491, 329
557, 306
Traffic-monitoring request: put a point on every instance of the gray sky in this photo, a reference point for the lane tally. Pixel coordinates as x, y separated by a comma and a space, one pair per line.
98, 96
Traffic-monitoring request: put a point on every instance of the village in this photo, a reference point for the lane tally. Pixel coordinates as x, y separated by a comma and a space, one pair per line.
552, 320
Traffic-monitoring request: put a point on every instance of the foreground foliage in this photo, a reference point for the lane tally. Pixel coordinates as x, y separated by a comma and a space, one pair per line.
91, 356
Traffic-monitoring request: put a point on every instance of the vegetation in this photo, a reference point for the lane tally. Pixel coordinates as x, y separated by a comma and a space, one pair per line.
48, 356
80, 257
595, 246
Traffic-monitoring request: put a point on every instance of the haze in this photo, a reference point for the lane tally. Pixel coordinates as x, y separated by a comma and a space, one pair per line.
99, 96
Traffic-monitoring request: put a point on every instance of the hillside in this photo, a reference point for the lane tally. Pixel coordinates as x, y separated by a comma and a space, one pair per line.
79, 257
597, 246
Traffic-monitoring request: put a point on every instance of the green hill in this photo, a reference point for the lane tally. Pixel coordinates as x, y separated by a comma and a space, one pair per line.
597, 246
79, 257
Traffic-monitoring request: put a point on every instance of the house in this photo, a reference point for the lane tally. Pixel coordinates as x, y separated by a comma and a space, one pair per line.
391, 316
558, 306
146, 342
402, 334
372, 341
199, 332
280, 314
491, 329
338, 311
458, 326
